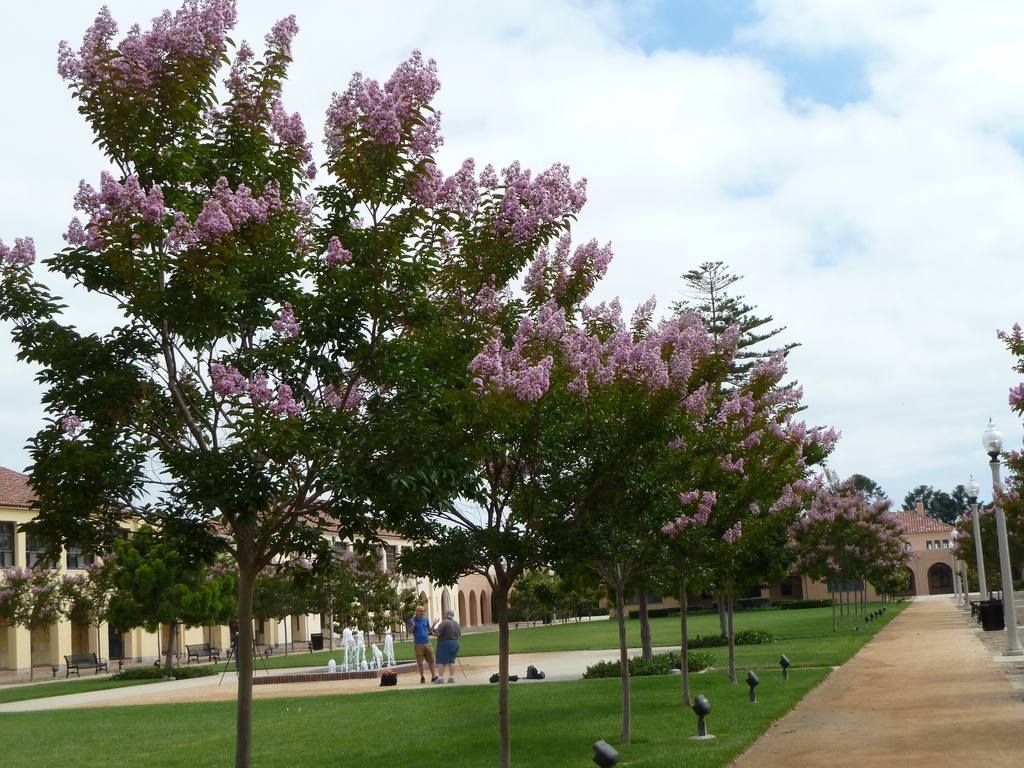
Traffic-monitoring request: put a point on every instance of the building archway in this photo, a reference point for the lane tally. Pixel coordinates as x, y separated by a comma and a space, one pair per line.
462, 617
473, 618
940, 579
485, 615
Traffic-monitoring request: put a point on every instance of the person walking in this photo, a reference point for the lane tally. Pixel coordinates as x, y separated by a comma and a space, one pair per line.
421, 630
448, 633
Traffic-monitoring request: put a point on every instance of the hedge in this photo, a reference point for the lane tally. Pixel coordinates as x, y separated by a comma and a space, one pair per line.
792, 605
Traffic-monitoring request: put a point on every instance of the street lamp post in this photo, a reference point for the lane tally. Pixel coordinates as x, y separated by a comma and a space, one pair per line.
992, 439
972, 496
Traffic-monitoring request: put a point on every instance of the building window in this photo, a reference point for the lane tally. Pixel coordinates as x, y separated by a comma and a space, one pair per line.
33, 551
6, 545
787, 588
929, 543
945, 543
78, 559
391, 558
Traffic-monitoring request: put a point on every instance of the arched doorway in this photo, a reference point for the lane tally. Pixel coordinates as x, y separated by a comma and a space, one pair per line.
485, 616
462, 617
911, 590
940, 579
473, 619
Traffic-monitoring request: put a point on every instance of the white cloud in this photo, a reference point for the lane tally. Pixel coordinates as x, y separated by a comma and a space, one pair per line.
884, 235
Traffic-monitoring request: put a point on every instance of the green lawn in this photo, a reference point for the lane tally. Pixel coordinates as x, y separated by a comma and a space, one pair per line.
553, 724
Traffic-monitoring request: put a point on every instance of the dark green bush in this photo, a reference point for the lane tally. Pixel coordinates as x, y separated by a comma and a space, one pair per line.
156, 673
793, 605
655, 613
754, 637
660, 664
709, 641
746, 603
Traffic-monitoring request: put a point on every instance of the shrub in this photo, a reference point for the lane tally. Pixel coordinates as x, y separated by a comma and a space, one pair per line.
793, 605
754, 637
655, 613
660, 664
156, 673
697, 661
746, 603
710, 641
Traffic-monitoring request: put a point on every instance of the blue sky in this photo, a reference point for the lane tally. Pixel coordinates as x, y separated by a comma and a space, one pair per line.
858, 163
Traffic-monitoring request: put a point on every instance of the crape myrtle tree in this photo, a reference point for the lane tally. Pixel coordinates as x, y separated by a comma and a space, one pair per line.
756, 481
843, 536
32, 598
1009, 497
88, 595
965, 547
169, 580
626, 427
247, 379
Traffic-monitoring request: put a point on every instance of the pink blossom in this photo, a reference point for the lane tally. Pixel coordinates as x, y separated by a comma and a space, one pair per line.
227, 381
285, 405
286, 323
71, 424
733, 534
336, 254
23, 254
259, 389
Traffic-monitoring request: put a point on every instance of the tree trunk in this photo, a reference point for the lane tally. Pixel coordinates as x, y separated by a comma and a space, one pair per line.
620, 606
502, 588
645, 625
723, 626
684, 646
834, 629
32, 656
169, 662
732, 642
243, 724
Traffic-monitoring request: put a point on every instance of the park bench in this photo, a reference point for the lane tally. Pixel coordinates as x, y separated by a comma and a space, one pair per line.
76, 661
198, 651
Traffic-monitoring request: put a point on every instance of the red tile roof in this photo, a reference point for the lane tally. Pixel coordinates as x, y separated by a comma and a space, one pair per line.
15, 490
915, 522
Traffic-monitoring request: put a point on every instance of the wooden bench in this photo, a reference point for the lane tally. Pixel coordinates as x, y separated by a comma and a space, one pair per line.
198, 651
76, 661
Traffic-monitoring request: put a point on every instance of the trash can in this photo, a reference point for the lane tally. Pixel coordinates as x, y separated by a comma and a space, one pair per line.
316, 641
991, 614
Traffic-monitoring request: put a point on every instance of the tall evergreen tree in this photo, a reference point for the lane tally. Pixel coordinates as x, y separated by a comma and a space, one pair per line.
707, 295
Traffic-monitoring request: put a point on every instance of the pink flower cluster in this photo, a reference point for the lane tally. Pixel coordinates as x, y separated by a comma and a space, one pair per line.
531, 205
558, 274
397, 114
706, 501
228, 382
286, 324
733, 534
22, 254
336, 254
197, 31
332, 398
71, 424
113, 210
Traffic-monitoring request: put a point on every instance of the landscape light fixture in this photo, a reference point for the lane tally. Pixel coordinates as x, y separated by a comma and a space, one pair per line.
972, 497
702, 708
784, 663
992, 440
604, 754
752, 681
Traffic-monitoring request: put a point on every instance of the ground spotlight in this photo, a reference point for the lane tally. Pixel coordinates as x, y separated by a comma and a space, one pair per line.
752, 681
784, 663
702, 707
604, 755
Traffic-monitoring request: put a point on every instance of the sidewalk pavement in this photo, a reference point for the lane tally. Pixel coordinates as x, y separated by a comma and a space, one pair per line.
472, 670
929, 690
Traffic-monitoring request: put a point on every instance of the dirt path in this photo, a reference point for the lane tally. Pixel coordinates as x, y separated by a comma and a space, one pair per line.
924, 692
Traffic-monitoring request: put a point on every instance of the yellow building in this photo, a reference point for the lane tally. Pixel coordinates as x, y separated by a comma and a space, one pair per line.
470, 598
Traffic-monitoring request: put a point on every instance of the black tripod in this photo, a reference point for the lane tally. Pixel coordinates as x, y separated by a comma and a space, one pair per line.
233, 654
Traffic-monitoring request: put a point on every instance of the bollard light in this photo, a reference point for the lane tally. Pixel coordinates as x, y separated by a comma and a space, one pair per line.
56, 669
784, 663
752, 681
702, 708
604, 754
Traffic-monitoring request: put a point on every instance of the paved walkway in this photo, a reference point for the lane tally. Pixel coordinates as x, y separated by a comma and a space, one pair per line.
929, 690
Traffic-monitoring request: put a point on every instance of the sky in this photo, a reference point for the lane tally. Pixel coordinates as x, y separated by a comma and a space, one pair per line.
860, 165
